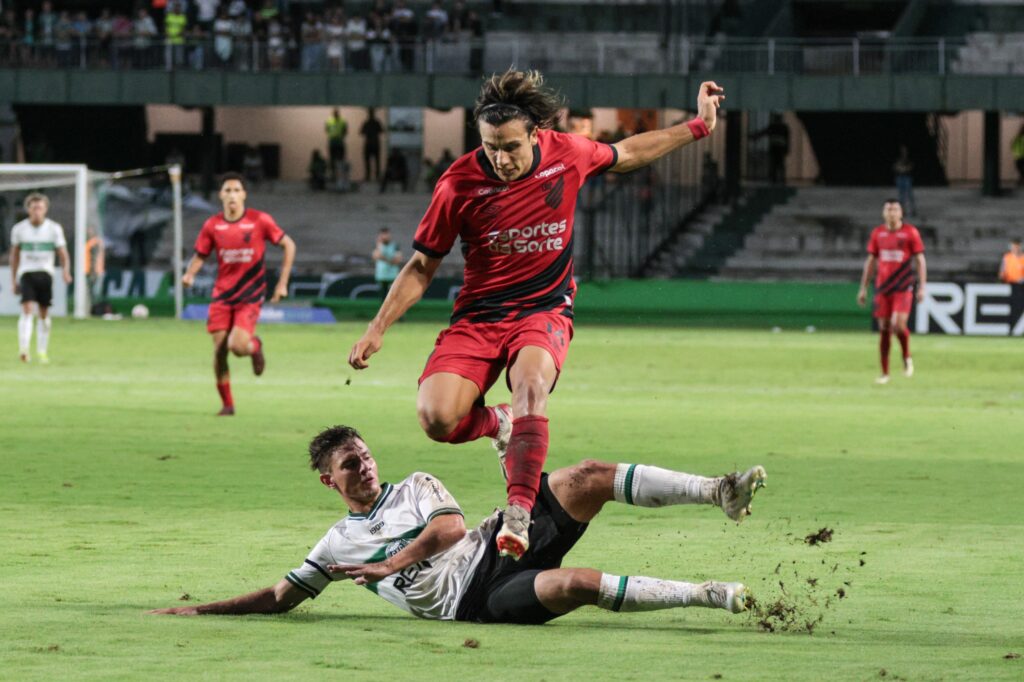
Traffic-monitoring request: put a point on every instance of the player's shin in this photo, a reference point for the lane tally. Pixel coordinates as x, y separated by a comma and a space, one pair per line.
24, 332
638, 593
884, 343
903, 336
649, 486
527, 451
43, 326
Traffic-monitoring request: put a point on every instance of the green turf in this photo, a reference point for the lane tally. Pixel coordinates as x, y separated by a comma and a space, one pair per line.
120, 492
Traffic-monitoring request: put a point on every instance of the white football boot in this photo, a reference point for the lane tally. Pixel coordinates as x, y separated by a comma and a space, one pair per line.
908, 367
736, 491
729, 596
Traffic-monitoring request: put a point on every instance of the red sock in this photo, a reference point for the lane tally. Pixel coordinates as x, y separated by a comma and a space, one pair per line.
883, 347
904, 339
481, 421
256, 345
527, 451
225, 394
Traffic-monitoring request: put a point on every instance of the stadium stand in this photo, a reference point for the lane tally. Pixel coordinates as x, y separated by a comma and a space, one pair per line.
821, 234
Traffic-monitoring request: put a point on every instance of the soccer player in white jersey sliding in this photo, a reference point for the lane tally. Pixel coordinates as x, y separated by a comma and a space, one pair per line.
408, 543
34, 243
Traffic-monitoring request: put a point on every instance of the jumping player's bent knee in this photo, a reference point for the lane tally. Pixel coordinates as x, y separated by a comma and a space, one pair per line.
437, 424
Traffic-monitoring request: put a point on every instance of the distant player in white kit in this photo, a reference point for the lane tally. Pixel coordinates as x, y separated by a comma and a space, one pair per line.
34, 243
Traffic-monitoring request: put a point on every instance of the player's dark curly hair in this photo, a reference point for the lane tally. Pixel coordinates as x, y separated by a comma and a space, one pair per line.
326, 443
518, 94
232, 175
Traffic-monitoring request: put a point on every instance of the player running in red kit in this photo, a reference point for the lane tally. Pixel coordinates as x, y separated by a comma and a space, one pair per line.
511, 203
893, 246
239, 236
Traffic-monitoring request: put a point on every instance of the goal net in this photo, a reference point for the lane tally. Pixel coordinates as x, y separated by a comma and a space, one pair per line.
115, 207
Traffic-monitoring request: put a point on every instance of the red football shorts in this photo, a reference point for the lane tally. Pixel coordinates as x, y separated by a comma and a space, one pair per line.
898, 302
479, 351
223, 317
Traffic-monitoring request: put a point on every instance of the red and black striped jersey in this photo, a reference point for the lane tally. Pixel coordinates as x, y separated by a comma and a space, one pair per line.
240, 246
517, 236
894, 250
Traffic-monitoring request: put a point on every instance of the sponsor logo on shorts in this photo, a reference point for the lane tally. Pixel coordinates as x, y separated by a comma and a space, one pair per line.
537, 238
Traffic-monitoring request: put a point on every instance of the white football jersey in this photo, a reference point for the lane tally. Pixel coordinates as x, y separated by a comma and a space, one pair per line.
38, 245
428, 589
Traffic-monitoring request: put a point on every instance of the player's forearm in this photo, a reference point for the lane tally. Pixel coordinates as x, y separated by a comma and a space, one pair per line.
267, 600
640, 150
287, 261
866, 273
65, 261
407, 289
194, 266
439, 535
922, 270
15, 259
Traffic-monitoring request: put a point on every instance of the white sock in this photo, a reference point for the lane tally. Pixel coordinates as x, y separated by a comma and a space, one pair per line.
43, 334
637, 593
24, 332
647, 486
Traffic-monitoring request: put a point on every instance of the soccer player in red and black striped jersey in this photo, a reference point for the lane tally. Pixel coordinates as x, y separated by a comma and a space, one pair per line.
239, 236
511, 203
893, 247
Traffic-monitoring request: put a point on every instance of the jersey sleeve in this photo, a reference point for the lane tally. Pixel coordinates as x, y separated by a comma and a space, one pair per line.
593, 158
271, 231
15, 236
58, 237
873, 243
312, 576
436, 233
204, 242
916, 245
432, 498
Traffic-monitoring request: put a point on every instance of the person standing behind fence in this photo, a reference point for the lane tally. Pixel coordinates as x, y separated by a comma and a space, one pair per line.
387, 259
1017, 148
903, 170
175, 25
95, 260
1011, 269
371, 132
336, 127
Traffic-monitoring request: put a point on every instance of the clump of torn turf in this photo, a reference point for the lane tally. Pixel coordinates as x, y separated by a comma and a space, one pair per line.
821, 537
471, 643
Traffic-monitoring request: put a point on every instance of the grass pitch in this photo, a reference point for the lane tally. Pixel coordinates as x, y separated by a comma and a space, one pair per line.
120, 492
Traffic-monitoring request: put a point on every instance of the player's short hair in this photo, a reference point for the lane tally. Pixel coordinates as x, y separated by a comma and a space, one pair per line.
518, 95
327, 442
1015, 240
34, 197
891, 200
233, 176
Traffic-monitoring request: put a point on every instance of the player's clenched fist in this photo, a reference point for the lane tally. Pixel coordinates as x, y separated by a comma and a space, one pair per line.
709, 99
364, 348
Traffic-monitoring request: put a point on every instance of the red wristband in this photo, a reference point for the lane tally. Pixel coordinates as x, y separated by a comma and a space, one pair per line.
698, 127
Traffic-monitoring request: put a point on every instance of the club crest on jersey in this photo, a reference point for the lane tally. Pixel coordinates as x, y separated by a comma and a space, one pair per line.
247, 237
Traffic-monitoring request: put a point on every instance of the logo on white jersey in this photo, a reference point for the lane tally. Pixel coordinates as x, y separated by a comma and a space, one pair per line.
537, 238
548, 172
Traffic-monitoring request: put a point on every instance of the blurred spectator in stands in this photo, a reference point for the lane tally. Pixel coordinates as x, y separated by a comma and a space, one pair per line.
709, 180
435, 22
476, 47
206, 13
95, 266
198, 47
1011, 269
47, 23
252, 166
317, 171
83, 32
28, 36
123, 30
445, 162
9, 36
371, 132
379, 37
430, 174
777, 133
1017, 148
137, 260
355, 39
268, 12
312, 35
175, 26
458, 18
403, 27
396, 170
144, 33
237, 9
103, 29
223, 38
334, 35
64, 40
336, 127
903, 170
277, 45
157, 9
388, 261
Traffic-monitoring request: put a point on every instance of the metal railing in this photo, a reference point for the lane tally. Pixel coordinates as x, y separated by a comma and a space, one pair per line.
567, 53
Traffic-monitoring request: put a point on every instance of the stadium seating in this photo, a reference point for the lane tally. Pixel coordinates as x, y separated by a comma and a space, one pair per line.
821, 234
990, 53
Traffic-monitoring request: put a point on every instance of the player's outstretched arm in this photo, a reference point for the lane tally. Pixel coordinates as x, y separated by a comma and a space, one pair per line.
280, 598
194, 266
407, 289
439, 535
865, 275
281, 290
639, 150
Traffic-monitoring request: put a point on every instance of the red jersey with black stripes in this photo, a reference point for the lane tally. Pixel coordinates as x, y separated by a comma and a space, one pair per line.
240, 246
894, 250
517, 236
